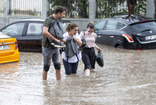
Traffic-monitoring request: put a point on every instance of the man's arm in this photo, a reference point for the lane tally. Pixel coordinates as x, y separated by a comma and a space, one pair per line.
47, 34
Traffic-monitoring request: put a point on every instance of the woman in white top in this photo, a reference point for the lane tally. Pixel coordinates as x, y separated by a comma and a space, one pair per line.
71, 64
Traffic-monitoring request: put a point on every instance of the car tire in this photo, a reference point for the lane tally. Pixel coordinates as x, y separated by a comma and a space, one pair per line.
120, 46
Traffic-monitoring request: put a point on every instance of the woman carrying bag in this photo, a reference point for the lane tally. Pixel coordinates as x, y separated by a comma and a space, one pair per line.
73, 41
88, 52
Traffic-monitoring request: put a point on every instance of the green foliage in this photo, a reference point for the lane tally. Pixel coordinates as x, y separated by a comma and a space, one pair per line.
140, 8
105, 8
75, 8
109, 8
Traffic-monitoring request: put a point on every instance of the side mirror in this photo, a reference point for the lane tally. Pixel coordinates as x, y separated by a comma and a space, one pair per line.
96, 30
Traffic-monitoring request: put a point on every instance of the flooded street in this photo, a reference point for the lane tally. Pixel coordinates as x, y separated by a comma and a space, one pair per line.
127, 78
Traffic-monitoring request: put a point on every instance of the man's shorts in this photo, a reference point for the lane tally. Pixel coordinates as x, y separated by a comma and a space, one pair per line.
49, 55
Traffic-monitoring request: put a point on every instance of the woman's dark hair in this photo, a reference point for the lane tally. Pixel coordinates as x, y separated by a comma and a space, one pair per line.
71, 26
59, 9
91, 25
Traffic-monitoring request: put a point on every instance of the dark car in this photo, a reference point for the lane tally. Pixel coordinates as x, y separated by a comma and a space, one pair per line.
135, 32
28, 33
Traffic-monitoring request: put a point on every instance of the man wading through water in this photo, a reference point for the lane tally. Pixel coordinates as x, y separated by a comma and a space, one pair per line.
49, 50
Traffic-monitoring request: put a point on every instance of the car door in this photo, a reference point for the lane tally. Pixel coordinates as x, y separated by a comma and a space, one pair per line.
109, 34
99, 28
33, 38
15, 30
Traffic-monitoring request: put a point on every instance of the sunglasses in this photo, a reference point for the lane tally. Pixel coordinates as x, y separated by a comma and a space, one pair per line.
90, 31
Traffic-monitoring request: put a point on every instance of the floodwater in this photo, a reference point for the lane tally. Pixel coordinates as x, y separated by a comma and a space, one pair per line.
128, 78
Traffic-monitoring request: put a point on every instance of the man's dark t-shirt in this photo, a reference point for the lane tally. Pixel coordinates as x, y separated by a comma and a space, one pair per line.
46, 24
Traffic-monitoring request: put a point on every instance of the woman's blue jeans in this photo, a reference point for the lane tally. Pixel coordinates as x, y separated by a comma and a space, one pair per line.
70, 68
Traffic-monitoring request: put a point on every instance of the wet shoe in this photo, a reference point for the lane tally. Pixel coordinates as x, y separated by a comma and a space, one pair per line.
59, 45
87, 72
53, 43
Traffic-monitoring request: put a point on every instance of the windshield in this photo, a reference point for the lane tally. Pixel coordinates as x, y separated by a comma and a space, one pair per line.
142, 27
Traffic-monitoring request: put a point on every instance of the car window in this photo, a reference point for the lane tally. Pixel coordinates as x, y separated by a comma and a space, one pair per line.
120, 25
100, 25
35, 29
142, 27
111, 25
14, 29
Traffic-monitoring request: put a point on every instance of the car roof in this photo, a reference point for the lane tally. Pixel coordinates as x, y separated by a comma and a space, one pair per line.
25, 20
129, 20
40, 20
33, 20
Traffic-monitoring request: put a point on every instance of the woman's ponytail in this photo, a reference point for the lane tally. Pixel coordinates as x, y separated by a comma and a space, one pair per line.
71, 26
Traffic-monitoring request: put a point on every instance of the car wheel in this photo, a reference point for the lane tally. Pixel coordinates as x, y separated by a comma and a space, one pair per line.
119, 46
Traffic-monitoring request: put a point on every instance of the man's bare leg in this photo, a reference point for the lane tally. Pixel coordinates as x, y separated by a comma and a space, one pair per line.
58, 74
44, 75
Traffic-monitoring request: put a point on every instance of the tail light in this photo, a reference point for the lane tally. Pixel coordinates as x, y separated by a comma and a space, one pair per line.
139, 49
16, 45
129, 39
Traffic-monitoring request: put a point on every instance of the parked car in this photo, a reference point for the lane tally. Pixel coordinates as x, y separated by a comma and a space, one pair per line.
8, 49
28, 33
135, 32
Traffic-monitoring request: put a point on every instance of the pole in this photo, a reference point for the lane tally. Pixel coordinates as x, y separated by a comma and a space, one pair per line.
5, 12
150, 8
45, 8
92, 10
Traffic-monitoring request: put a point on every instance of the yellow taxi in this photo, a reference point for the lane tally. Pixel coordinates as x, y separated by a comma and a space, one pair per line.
8, 49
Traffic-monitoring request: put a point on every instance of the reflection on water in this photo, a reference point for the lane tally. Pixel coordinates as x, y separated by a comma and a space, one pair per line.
9, 69
128, 78
9, 73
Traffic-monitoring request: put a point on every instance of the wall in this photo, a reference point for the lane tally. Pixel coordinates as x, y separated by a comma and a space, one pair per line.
82, 23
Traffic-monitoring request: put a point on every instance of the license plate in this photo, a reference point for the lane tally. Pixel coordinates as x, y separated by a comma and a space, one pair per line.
6, 47
152, 37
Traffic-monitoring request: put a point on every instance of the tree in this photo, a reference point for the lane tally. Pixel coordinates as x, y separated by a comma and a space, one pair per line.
131, 4
105, 8
109, 8
74, 7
